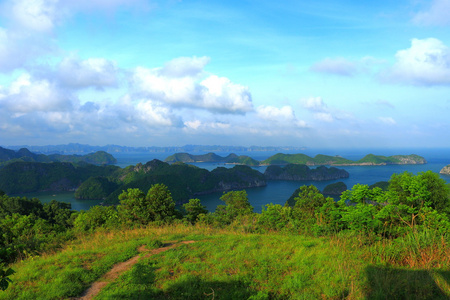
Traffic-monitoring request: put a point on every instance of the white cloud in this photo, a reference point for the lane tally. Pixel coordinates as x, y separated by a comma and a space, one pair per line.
35, 15
336, 66
179, 84
184, 66
272, 113
155, 115
437, 14
387, 120
162, 88
324, 117
220, 94
426, 62
195, 124
314, 104
284, 115
28, 95
96, 72
18, 48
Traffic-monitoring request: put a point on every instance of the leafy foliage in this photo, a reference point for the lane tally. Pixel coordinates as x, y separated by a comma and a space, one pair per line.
157, 205
236, 205
4, 278
194, 209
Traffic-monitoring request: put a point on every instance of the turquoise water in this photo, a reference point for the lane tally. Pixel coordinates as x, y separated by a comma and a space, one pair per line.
277, 192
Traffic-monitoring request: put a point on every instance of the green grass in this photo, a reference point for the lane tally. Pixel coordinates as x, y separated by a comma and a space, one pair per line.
225, 264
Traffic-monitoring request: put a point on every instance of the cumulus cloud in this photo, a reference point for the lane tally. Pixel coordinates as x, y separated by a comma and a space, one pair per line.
95, 72
426, 62
284, 115
26, 95
336, 66
220, 94
437, 14
155, 115
179, 84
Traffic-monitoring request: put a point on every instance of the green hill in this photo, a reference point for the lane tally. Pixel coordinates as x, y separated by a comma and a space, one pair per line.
213, 158
185, 180
320, 159
8, 156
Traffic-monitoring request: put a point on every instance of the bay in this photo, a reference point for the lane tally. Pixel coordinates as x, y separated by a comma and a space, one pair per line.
277, 192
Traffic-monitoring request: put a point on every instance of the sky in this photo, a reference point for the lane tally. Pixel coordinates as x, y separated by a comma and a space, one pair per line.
328, 74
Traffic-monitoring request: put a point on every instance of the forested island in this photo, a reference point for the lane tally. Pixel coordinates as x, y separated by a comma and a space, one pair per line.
284, 159
8, 156
295, 172
25, 172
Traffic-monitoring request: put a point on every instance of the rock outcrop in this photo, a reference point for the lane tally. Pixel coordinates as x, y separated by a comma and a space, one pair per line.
445, 170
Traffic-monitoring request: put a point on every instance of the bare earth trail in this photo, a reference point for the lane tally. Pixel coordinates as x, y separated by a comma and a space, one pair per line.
122, 267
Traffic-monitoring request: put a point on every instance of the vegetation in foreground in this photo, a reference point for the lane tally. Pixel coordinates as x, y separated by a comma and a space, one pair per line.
371, 244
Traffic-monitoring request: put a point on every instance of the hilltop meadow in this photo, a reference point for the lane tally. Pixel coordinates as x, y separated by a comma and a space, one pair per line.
374, 243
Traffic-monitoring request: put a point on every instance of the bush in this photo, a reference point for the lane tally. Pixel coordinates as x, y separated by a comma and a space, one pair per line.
275, 217
157, 205
193, 209
96, 217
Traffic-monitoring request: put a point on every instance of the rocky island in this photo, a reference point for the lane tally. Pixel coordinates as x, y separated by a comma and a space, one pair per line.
445, 170
294, 172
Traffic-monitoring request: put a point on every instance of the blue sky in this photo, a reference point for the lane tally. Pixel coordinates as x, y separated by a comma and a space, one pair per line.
282, 73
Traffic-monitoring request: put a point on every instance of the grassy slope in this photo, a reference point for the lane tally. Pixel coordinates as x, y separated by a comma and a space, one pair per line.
223, 264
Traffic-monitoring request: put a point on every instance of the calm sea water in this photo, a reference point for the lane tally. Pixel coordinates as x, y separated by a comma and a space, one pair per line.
277, 192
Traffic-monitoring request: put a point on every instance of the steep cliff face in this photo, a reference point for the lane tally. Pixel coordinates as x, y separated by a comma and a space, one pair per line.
293, 172
445, 170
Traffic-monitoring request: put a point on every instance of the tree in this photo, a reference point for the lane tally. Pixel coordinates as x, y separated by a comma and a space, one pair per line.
308, 200
236, 204
157, 205
194, 208
410, 196
161, 203
133, 207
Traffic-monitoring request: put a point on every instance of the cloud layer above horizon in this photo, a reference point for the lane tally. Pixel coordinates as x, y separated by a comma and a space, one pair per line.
144, 73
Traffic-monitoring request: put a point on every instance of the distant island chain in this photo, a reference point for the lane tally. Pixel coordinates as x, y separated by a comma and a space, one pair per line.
94, 176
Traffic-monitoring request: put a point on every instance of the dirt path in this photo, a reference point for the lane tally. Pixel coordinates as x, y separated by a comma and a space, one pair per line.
120, 268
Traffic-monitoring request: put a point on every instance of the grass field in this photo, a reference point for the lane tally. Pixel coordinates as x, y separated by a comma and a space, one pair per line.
224, 264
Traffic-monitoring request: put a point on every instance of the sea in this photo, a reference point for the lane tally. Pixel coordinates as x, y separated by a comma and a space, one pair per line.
277, 192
